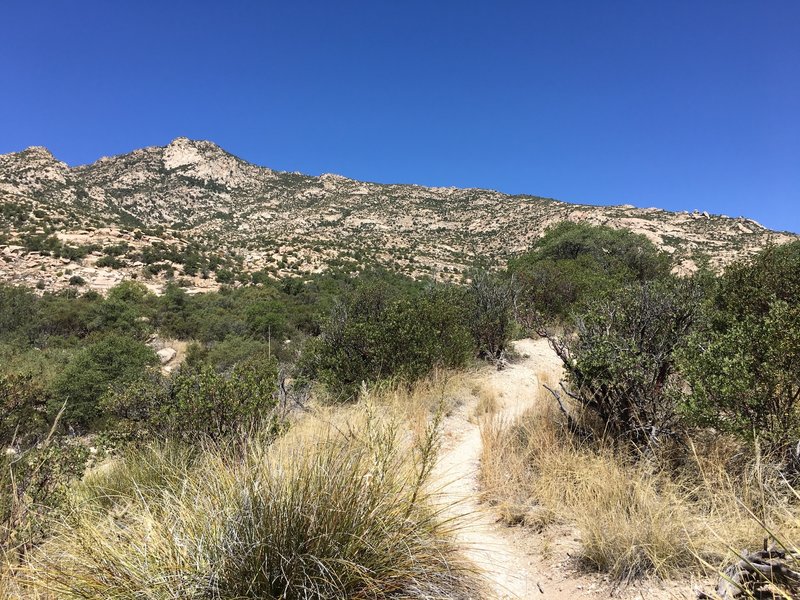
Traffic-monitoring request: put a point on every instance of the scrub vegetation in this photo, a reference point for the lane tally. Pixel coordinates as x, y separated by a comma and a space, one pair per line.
286, 451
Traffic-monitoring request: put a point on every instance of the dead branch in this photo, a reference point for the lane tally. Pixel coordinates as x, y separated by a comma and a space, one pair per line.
572, 425
768, 573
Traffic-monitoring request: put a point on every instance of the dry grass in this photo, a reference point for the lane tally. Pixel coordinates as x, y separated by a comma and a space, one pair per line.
634, 517
488, 400
337, 508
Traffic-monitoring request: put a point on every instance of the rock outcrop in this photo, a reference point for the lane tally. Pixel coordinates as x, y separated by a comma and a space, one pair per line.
194, 195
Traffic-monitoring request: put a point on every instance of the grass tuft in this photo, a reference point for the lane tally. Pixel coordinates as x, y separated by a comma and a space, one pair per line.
662, 516
337, 508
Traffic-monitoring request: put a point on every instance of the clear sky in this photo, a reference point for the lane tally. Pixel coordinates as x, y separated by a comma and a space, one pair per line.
676, 104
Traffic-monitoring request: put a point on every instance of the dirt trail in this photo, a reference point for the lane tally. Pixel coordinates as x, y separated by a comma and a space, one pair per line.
509, 558
506, 565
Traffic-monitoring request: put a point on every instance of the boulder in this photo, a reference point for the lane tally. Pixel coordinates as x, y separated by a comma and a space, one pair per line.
166, 354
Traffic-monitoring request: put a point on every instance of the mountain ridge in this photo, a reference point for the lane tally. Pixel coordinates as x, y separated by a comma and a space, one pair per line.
193, 193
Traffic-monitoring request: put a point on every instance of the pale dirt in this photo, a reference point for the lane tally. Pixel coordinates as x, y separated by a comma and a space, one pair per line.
510, 558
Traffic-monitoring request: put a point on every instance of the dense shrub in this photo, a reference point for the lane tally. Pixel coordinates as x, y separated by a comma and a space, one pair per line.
173, 312
23, 409
109, 261
65, 315
50, 245
742, 366
620, 358
18, 310
126, 310
112, 360
266, 317
492, 302
197, 402
229, 352
377, 333
34, 482
574, 262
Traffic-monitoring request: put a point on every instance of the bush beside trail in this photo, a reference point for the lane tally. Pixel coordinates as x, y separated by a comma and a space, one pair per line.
742, 364
574, 263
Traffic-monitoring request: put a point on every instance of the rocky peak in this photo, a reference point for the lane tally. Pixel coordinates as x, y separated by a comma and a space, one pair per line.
31, 170
38, 153
31, 155
182, 152
292, 224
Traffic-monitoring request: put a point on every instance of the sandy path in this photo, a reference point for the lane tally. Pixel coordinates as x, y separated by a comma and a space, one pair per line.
507, 566
510, 557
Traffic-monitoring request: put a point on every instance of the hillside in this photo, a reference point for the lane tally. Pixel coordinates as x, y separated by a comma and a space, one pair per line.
194, 212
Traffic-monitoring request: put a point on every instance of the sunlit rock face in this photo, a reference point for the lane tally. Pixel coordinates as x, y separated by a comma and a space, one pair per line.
288, 224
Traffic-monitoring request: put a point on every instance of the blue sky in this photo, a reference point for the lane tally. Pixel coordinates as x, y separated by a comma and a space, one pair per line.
676, 104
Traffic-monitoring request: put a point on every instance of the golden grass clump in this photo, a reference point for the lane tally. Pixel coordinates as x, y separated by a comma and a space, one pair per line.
488, 402
337, 508
634, 517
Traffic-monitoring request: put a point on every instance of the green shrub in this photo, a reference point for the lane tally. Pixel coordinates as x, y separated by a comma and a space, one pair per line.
112, 360
621, 356
127, 309
63, 315
742, 366
574, 262
109, 261
198, 402
34, 484
229, 352
492, 303
115, 250
266, 317
378, 333
225, 276
18, 310
23, 409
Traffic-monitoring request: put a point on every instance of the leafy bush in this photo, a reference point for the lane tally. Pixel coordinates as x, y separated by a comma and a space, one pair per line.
620, 358
23, 409
126, 310
198, 402
109, 261
64, 315
266, 317
229, 352
377, 333
18, 309
491, 316
33, 484
112, 360
574, 262
742, 366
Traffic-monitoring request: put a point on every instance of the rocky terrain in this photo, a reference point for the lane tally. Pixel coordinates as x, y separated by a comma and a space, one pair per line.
194, 213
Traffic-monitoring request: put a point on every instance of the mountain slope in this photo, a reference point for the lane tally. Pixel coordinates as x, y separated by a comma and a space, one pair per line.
230, 216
